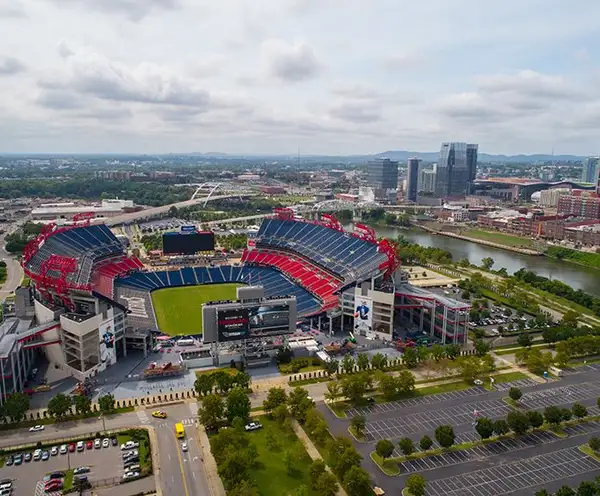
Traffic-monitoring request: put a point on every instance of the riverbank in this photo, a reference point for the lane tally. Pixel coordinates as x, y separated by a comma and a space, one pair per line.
524, 251
577, 257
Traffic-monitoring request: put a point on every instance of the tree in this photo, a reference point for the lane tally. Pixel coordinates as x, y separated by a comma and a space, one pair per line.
348, 364
343, 456
536, 419
464, 262
473, 367
334, 391
579, 410
243, 380
358, 424
515, 393
437, 352
406, 445
543, 492
566, 414
553, 415
204, 384
299, 403
15, 406
379, 361
357, 482
570, 319
234, 469
501, 427
452, 351
410, 357
587, 488
481, 347
238, 404
59, 406
272, 442
384, 448
245, 488
290, 458
406, 382
425, 443
444, 434
388, 386
106, 403
594, 443
83, 405
354, 387
484, 427
487, 263
415, 484
565, 491
518, 422
331, 367
223, 380
524, 340
326, 485
211, 411
362, 361
281, 414
316, 469
275, 396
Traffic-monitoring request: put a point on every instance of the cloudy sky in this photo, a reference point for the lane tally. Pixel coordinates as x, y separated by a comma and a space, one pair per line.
322, 76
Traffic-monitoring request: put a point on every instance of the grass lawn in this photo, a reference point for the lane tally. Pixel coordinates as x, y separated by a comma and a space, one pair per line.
508, 377
179, 310
589, 451
388, 468
500, 238
227, 370
272, 478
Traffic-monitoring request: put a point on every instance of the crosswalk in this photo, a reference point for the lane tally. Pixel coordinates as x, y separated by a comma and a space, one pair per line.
145, 419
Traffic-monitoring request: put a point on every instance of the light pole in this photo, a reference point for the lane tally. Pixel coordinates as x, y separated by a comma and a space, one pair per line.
103, 422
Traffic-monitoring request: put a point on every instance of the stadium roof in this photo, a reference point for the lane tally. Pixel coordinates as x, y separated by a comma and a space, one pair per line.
423, 294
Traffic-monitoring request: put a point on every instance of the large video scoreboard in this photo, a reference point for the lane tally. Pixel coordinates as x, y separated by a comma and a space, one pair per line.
187, 243
236, 321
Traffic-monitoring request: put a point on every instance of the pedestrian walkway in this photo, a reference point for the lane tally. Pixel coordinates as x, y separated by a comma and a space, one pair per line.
143, 416
215, 484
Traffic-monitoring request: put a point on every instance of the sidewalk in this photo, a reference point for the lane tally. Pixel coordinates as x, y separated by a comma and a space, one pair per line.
215, 484
311, 449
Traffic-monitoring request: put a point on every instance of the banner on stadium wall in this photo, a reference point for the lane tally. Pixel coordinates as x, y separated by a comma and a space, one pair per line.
108, 356
363, 315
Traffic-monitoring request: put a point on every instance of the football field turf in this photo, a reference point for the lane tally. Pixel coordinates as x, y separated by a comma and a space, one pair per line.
179, 310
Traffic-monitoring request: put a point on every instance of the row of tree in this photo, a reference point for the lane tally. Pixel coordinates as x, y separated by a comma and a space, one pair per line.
61, 405
413, 253
221, 381
585, 488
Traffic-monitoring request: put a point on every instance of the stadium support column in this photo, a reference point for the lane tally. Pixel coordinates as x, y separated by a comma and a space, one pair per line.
19, 368
444, 324
4, 391
330, 325
319, 326
432, 317
422, 316
12, 366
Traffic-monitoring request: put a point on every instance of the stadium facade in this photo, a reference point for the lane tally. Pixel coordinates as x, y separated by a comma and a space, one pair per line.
93, 302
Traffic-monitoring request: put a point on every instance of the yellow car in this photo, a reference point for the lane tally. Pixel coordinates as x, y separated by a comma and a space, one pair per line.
159, 414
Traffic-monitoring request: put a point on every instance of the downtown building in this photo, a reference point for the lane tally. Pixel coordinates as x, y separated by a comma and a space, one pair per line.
589, 174
456, 170
412, 179
382, 179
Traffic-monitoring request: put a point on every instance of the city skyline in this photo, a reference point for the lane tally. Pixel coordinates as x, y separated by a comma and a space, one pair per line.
152, 76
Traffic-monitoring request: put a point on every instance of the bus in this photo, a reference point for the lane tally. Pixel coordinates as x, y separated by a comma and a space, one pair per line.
179, 430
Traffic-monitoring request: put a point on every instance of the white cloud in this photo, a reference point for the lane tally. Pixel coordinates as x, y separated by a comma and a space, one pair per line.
10, 66
134, 10
290, 62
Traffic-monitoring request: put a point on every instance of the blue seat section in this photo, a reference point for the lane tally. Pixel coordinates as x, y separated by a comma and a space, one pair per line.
88, 244
188, 276
339, 252
175, 278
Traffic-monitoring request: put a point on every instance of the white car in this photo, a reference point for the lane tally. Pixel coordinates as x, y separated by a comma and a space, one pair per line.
130, 475
106, 442
37, 454
98, 443
478, 382
63, 449
184, 447
253, 426
54, 451
36, 428
129, 445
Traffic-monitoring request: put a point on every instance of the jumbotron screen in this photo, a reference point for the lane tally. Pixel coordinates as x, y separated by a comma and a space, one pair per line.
187, 244
243, 323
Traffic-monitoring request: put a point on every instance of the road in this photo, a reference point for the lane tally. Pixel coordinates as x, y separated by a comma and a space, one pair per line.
180, 474
156, 211
13, 269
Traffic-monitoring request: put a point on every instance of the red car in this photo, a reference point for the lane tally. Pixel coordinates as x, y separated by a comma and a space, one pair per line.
53, 485
72, 448
89, 445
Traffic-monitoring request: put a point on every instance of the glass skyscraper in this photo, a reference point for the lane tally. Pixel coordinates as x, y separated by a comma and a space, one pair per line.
456, 169
412, 179
590, 170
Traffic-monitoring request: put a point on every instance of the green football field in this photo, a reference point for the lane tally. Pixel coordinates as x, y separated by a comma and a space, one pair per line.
179, 310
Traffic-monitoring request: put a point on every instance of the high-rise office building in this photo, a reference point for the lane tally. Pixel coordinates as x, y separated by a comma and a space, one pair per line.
589, 174
412, 179
383, 174
427, 180
456, 169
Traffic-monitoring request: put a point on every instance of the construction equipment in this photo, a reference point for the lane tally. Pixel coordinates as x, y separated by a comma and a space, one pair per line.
82, 389
154, 371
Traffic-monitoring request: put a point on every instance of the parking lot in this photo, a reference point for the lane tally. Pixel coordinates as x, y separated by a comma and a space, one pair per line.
104, 463
521, 383
422, 400
493, 449
429, 420
593, 367
560, 395
516, 476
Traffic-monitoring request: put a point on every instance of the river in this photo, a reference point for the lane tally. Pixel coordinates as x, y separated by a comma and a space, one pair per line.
574, 275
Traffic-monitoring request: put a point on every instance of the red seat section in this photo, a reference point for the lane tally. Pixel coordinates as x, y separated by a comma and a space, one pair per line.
314, 279
106, 273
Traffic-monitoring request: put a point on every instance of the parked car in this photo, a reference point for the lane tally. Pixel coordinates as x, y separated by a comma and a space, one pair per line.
98, 443
63, 449
36, 428
9, 461
132, 467
81, 470
114, 441
37, 455
130, 454
80, 446
72, 448
130, 475
27, 457
18, 459
54, 451
53, 475
106, 443
129, 445
45, 455
5, 484
89, 445
253, 426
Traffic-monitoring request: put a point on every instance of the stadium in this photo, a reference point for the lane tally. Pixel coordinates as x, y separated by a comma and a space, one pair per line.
94, 302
